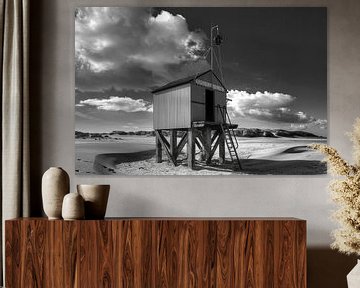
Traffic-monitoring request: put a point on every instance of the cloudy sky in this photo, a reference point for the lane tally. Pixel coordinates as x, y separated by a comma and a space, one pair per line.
274, 63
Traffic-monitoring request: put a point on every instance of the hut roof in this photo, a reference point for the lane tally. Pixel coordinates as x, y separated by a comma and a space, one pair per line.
185, 81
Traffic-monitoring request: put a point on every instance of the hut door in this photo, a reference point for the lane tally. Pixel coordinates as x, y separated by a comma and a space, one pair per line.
209, 106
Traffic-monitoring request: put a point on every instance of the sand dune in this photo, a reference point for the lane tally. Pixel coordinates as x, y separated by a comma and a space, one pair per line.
105, 163
275, 156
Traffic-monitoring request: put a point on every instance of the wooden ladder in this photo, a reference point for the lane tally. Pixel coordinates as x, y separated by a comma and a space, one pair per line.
229, 134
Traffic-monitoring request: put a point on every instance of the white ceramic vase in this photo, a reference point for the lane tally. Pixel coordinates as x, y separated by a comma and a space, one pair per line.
353, 278
73, 207
96, 198
55, 185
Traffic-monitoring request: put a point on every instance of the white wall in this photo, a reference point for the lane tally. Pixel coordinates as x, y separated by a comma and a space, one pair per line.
52, 83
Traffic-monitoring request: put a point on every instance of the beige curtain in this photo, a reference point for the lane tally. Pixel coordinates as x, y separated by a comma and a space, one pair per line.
14, 25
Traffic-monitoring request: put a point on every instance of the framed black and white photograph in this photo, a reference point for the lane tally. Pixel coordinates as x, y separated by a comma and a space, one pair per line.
200, 90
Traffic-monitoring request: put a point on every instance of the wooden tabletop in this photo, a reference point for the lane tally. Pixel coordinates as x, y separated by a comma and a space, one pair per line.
152, 218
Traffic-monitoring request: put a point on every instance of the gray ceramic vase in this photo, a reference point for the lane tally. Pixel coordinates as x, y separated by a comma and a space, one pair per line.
96, 198
55, 185
73, 207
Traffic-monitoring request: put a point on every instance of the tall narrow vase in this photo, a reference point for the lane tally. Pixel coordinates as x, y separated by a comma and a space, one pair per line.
55, 185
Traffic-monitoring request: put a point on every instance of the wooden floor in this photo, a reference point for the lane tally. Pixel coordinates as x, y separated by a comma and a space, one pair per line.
170, 253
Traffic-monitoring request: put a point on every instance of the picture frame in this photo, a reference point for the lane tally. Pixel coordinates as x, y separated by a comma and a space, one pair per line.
200, 90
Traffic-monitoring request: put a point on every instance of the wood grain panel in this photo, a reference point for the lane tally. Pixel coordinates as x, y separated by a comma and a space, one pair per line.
209, 253
71, 248
55, 268
285, 254
12, 252
301, 254
192, 253
133, 252
96, 254
244, 254
33, 254
162, 229
268, 253
105, 256
156, 253
224, 254
88, 254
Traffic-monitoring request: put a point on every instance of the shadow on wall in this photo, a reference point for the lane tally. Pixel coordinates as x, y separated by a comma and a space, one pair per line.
328, 268
35, 104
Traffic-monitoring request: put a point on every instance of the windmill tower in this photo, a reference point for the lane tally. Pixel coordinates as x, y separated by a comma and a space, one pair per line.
196, 106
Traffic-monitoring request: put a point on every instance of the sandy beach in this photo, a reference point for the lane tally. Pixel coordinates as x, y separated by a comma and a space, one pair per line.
135, 155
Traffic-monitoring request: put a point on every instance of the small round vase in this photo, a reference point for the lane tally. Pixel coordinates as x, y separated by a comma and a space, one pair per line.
73, 207
96, 198
55, 185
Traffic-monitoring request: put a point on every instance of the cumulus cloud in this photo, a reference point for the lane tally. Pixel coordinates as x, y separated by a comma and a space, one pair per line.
115, 103
133, 48
273, 107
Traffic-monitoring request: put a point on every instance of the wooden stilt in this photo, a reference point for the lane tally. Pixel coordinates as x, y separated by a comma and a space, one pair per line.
198, 144
191, 149
207, 138
222, 148
181, 145
199, 141
165, 144
173, 145
207, 144
158, 149
214, 145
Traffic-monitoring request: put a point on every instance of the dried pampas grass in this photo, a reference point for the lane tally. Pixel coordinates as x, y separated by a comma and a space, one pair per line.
345, 192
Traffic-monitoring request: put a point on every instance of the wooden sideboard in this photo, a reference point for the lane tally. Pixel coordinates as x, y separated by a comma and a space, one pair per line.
156, 252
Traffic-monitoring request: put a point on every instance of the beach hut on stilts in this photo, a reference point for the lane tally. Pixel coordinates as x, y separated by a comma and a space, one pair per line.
195, 108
